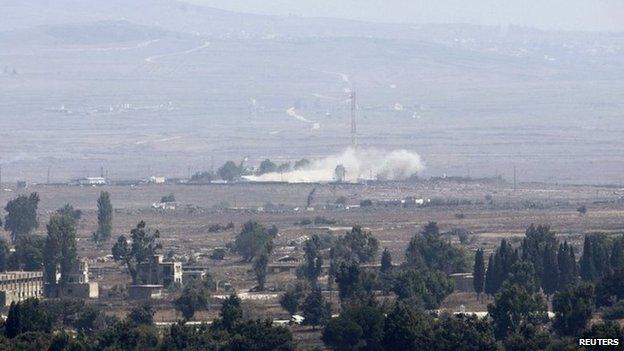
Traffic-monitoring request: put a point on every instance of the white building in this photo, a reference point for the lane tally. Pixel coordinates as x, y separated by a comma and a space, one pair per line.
92, 181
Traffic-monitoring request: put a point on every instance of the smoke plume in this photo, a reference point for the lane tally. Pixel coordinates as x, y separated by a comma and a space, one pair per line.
359, 164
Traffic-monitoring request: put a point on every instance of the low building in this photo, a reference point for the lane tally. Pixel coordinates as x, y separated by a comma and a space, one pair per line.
164, 205
156, 271
18, 286
77, 284
92, 181
157, 180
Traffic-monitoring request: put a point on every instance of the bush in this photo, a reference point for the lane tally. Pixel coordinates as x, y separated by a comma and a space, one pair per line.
366, 203
323, 220
615, 312
304, 221
217, 254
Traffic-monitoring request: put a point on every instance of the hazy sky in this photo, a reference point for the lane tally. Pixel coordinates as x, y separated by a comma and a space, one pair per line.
547, 14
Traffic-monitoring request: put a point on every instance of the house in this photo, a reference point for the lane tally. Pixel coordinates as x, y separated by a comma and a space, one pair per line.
17, 286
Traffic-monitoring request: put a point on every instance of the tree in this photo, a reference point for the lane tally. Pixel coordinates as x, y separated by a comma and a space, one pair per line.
104, 217
429, 250
60, 247
594, 262
4, 255
386, 261
617, 254
514, 307
68, 210
26, 316
492, 276
144, 245
523, 274
193, 298
478, 272
266, 166
21, 218
125, 335
605, 330
168, 198
229, 171
260, 269
610, 288
567, 266
291, 299
231, 312
316, 311
356, 245
252, 241
28, 253
550, 274
463, 333
539, 245
407, 329
312, 260
499, 267
302, 163
573, 307
422, 288
260, 335
359, 327
353, 281
142, 314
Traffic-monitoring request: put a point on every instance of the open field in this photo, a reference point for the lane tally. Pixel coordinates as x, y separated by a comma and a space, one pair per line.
184, 231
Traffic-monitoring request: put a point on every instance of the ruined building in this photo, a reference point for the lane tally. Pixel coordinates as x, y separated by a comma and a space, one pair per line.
19, 286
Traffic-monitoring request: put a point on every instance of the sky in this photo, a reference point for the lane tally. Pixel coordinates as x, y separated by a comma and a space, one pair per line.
585, 15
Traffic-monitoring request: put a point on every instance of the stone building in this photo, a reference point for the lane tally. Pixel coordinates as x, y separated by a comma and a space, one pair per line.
156, 271
77, 284
18, 286
153, 276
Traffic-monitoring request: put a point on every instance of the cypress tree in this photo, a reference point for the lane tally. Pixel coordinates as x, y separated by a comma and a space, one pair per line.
588, 268
617, 254
567, 266
490, 276
386, 261
478, 272
550, 276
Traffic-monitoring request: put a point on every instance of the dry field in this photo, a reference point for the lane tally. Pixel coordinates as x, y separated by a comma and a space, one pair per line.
184, 231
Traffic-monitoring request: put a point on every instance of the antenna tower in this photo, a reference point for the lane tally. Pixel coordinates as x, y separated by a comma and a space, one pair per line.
353, 120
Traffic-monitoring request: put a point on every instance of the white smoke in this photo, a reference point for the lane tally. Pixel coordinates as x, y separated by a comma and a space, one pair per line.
359, 164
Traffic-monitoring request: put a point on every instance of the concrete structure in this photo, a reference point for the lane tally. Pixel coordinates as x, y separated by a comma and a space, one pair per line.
145, 292
76, 286
18, 286
291, 267
158, 272
190, 273
463, 282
